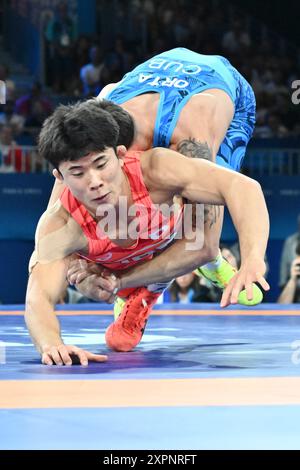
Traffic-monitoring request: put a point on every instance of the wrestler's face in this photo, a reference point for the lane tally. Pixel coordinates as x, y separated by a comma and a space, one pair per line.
96, 178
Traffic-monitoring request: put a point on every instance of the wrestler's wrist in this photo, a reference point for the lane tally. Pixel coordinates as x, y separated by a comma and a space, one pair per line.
127, 280
121, 283
46, 345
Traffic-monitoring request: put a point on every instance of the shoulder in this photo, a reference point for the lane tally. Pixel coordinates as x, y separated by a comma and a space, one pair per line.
58, 234
163, 168
107, 89
160, 157
54, 218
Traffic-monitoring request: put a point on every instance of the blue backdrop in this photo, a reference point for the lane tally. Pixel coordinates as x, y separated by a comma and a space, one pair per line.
23, 198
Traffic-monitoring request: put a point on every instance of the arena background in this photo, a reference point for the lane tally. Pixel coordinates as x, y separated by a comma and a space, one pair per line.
202, 377
128, 32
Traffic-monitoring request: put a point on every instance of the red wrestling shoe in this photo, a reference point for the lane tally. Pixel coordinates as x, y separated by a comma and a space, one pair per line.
127, 331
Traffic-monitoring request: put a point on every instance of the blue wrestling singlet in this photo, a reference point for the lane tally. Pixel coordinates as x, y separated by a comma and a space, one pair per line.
177, 75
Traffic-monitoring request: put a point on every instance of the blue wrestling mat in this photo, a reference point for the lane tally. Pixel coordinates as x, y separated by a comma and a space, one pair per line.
202, 378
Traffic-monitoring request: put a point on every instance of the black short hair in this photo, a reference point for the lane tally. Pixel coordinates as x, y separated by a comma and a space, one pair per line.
123, 118
74, 131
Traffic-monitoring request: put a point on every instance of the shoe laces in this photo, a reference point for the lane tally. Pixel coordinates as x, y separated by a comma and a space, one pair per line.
135, 312
220, 278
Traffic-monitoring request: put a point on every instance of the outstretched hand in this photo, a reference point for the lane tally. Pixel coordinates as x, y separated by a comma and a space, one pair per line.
251, 271
66, 354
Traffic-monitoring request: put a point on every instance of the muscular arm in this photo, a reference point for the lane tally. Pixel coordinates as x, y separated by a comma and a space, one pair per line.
172, 262
55, 244
202, 181
46, 285
177, 260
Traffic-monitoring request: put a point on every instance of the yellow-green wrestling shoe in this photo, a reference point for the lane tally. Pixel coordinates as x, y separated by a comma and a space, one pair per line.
221, 276
118, 307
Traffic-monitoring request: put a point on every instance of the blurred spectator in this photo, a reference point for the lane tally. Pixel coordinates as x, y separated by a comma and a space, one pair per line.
34, 107
9, 84
125, 57
275, 84
288, 255
143, 28
90, 74
262, 130
184, 289
270, 127
296, 130
2, 93
82, 52
291, 291
116, 61
61, 35
11, 156
9, 118
180, 27
236, 38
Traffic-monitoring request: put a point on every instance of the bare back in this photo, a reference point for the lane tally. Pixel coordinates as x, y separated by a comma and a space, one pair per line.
206, 117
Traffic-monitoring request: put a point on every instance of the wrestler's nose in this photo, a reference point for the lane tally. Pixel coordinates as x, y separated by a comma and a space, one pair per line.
95, 181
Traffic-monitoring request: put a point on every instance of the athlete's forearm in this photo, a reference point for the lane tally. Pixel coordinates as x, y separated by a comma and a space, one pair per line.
43, 293
249, 213
46, 286
288, 293
42, 323
172, 262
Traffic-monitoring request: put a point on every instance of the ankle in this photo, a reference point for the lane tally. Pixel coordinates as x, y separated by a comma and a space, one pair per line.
214, 263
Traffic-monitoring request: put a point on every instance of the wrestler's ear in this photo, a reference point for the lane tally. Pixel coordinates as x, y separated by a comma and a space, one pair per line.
121, 152
57, 175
